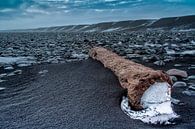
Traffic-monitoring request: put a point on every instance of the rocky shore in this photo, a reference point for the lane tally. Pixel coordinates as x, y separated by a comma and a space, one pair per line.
158, 47
163, 50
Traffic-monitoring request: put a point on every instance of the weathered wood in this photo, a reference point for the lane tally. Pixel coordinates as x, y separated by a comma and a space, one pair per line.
134, 77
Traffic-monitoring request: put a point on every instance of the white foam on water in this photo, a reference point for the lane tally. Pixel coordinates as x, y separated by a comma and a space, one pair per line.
156, 102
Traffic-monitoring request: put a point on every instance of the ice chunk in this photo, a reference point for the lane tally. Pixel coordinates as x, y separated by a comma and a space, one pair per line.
157, 105
156, 93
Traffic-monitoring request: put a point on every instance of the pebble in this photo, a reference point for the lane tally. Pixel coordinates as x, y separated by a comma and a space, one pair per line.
2, 88
192, 77
192, 87
173, 78
159, 63
189, 92
177, 72
17, 72
175, 101
3, 75
177, 65
43, 71
8, 68
179, 84
2, 80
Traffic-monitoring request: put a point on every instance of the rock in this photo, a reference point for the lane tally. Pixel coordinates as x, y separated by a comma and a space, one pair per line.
177, 72
17, 72
179, 84
67, 55
132, 76
132, 56
8, 67
188, 53
173, 78
159, 63
177, 65
153, 58
2, 88
192, 77
189, 92
2, 80
192, 87
175, 101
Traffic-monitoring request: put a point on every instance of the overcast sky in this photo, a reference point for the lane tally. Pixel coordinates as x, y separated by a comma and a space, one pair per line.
19, 14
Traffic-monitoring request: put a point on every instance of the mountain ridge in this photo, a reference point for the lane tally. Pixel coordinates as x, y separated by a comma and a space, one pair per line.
168, 23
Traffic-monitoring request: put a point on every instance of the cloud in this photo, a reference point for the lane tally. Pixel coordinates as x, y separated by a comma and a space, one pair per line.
36, 13
5, 10
174, 0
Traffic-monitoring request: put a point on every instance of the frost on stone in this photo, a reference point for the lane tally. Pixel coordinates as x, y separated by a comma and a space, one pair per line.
157, 105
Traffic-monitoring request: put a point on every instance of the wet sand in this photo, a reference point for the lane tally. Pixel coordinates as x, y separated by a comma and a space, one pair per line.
76, 95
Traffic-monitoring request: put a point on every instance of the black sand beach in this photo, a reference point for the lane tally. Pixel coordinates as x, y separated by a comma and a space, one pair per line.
76, 95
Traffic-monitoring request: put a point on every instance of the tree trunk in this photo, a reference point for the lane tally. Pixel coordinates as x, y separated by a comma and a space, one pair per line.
134, 77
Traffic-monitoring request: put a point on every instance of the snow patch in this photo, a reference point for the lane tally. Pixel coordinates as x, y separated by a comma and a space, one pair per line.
111, 29
20, 61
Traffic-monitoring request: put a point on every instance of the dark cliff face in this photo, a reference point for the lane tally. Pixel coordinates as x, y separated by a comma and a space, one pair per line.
170, 23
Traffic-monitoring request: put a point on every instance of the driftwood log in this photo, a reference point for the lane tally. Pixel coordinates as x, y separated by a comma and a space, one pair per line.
134, 77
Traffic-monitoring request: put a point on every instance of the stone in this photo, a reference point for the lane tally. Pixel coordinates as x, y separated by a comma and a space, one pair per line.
179, 84
132, 76
2, 88
159, 63
192, 87
192, 77
173, 78
177, 72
